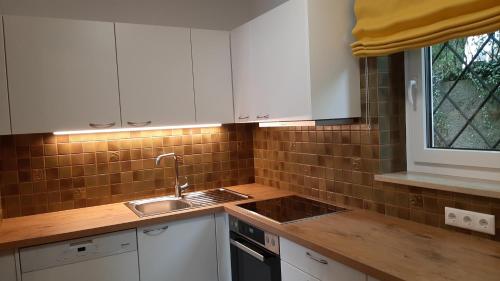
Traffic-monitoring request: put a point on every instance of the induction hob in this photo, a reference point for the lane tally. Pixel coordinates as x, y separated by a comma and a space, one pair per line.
291, 208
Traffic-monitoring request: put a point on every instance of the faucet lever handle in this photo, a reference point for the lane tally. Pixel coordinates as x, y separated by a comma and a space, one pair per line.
186, 185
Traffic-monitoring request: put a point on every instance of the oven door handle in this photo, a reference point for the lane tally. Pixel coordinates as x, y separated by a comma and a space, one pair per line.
247, 250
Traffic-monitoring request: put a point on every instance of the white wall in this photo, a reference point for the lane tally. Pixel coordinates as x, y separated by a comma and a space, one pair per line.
210, 14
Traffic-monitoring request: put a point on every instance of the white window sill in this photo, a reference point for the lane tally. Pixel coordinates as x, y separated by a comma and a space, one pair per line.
470, 186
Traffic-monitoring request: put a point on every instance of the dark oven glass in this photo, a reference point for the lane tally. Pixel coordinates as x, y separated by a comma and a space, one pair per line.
247, 267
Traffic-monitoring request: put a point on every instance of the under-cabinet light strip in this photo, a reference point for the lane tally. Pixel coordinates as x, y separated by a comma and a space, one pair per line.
135, 129
287, 124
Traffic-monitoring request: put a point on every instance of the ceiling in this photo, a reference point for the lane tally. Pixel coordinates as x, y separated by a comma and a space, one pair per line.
210, 14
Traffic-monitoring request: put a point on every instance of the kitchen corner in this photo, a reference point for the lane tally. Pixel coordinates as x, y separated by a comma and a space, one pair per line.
249, 140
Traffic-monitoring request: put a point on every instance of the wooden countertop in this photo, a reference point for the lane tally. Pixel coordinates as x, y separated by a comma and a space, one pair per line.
384, 247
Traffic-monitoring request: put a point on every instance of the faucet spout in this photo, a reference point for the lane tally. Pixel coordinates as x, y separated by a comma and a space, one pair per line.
160, 157
178, 187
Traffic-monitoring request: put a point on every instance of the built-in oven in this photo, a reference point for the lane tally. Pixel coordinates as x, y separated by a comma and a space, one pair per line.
254, 253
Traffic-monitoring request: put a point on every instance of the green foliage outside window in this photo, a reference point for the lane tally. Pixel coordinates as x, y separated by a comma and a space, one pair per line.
465, 94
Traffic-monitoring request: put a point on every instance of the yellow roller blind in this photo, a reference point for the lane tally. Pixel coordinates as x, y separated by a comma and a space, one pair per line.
389, 26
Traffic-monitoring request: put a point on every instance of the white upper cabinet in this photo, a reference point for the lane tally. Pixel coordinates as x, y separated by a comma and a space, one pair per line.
243, 74
295, 63
281, 70
4, 97
62, 74
156, 75
212, 76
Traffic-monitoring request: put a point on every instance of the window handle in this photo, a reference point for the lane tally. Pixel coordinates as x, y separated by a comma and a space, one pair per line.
411, 97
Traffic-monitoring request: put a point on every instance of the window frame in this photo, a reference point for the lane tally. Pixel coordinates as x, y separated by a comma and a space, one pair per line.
422, 158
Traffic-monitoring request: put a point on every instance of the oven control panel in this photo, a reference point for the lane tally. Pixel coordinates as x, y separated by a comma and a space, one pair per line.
272, 243
264, 239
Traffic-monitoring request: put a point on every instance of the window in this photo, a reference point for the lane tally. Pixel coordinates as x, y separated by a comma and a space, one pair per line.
464, 107
453, 108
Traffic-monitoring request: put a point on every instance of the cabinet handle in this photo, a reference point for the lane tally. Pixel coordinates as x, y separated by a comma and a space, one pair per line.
102, 126
247, 250
139, 124
155, 232
243, 117
263, 116
322, 261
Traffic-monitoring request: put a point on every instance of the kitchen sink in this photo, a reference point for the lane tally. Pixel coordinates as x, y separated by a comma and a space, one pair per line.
160, 205
167, 204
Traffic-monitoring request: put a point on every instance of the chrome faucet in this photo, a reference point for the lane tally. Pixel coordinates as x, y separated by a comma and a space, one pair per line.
178, 188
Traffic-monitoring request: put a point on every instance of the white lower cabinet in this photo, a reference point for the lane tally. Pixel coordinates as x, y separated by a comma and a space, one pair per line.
223, 246
107, 257
291, 273
316, 265
7, 266
179, 251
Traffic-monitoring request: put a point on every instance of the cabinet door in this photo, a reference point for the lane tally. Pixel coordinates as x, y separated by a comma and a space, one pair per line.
7, 266
280, 55
243, 74
156, 76
4, 98
291, 273
122, 267
179, 251
317, 265
223, 246
62, 74
212, 76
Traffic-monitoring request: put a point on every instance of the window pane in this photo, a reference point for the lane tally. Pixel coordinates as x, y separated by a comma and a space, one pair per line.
464, 94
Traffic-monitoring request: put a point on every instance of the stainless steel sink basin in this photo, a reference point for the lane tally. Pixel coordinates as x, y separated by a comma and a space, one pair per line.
167, 204
160, 205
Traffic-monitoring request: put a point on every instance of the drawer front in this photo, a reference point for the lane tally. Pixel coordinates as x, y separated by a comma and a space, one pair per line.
317, 265
78, 250
291, 273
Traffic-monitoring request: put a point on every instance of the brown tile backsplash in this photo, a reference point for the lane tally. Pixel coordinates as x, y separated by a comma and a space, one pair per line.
338, 163
43, 173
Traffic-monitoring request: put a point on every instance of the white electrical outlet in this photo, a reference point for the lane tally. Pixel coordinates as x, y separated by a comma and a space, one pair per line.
470, 220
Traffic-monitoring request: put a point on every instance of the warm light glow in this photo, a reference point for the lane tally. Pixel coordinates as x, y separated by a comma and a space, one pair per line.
135, 129
287, 124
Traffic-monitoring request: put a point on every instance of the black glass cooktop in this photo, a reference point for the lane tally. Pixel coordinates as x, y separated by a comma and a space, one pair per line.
290, 208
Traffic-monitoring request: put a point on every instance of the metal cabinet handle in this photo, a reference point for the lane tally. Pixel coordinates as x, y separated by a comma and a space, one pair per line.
243, 117
139, 124
263, 116
102, 126
322, 261
155, 232
247, 250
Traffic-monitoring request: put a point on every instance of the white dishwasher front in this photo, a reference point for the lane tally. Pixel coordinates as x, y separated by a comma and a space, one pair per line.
108, 257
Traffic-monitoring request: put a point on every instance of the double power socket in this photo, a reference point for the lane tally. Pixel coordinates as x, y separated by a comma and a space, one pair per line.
470, 220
